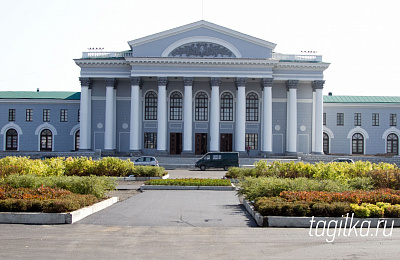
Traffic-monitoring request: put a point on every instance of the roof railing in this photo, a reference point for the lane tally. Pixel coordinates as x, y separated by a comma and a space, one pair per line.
296, 57
106, 54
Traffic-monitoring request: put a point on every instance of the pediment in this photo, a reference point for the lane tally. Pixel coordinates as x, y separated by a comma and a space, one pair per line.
201, 39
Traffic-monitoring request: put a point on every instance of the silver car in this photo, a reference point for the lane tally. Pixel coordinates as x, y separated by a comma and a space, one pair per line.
146, 160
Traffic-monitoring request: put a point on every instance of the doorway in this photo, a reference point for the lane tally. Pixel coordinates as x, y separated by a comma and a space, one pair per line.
226, 142
200, 143
175, 143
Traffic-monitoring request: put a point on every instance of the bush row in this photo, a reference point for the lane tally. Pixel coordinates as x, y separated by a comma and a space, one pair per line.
65, 204
276, 206
190, 182
253, 188
80, 166
356, 196
94, 185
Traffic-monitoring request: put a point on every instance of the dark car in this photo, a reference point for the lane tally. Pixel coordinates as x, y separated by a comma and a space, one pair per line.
146, 160
218, 160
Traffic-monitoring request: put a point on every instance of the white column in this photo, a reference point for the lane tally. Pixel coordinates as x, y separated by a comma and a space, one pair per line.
187, 116
162, 116
85, 118
313, 124
240, 136
134, 133
292, 116
267, 116
109, 115
318, 85
214, 115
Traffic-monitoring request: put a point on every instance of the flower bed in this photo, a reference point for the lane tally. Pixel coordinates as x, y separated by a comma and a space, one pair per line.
189, 182
43, 199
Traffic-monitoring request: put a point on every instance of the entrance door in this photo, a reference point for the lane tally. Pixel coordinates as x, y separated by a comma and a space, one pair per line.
175, 143
226, 143
200, 143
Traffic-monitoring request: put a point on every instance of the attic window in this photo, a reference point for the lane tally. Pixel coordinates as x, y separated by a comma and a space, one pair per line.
202, 50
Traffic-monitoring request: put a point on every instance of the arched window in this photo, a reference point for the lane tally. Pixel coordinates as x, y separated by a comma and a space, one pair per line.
11, 140
175, 106
201, 107
226, 107
77, 140
326, 143
357, 144
252, 107
46, 140
392, 146
150, 106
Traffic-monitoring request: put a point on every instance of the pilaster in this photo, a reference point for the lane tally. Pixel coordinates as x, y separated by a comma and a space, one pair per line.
187, 116
214, 115
109, 124
85, 114
134, 133
318, 115
266, 84
241, 115
162, 116
291, 86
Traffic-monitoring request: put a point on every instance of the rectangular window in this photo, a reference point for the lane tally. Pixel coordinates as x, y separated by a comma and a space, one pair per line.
324, 119
357, 119
11, 115
29, 115
375, 119
340, 119
393, 119
46, 115
252, 141
64, 115
150, 140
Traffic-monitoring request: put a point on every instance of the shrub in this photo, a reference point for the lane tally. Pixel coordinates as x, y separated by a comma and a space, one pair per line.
148, 171
393, 211
190, 182
360, 211
385, 178
335, 209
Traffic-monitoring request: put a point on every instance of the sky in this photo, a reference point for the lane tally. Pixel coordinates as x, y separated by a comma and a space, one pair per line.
360, 38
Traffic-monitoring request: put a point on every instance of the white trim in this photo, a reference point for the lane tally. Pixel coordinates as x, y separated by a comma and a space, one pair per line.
194, 39
9, 126
392, 130
329, 132
169, 106
46, 126
208, 106
357, 130
74, 129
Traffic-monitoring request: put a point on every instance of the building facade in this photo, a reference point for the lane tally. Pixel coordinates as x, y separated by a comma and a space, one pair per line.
201, 87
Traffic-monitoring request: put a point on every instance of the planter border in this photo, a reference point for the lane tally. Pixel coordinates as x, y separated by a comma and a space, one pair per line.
305, 222
40, 218
141, 178
176, 187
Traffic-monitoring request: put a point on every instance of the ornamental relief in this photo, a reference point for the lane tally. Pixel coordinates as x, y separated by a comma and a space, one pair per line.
202, 50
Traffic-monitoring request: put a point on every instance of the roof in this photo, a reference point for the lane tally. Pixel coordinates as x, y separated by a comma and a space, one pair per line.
64, 95
361, 99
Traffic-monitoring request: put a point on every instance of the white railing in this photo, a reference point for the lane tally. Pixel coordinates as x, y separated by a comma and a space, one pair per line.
105, 54
296, 57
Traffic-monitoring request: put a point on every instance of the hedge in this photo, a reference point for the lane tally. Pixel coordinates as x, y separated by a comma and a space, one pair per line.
190, 182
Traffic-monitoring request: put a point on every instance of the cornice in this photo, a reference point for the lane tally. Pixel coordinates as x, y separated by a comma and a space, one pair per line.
199, 61
301, 66
107, 62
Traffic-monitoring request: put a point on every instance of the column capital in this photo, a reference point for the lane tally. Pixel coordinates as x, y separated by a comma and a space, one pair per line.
215, 82
86, 82
162, 81
188, 81
240, 82
318, 84
135, 81
291, 84
110, 82
266, 82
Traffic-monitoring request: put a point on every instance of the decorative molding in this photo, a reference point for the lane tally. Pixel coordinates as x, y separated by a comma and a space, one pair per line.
201, 126
202, 50
46, 126
357, 130
302, 66
291, 84
107, 62
11, 125
266, 82
392, 130
86, 82
188, 81
215, 82
318, 84
162, 81
110, 82
135, 81
241, 82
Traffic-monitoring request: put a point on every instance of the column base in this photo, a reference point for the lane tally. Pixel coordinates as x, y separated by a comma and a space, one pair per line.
187, 153
318, 153
266, 154
161, 153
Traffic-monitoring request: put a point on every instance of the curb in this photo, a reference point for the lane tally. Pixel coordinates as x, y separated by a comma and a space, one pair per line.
54, 218
141, 178
173, 187
305, 222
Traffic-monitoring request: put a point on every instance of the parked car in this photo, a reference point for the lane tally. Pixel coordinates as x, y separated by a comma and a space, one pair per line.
146, 160
218, 160
348, 160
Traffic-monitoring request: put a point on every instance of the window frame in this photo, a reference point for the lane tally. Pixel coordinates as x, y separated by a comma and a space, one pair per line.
201, 106
150, 140
340, 119
175, 106
46, 140
252, 141
252, 107
150, 105
393, 120
46, 115
357, 119
29, 115
11, 114
375, 119
11, 140
226, 106
63, 115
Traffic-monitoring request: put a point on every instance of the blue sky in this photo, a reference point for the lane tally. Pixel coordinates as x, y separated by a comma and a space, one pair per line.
40, 39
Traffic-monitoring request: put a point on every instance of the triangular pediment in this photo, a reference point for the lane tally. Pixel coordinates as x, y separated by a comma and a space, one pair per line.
201, 39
